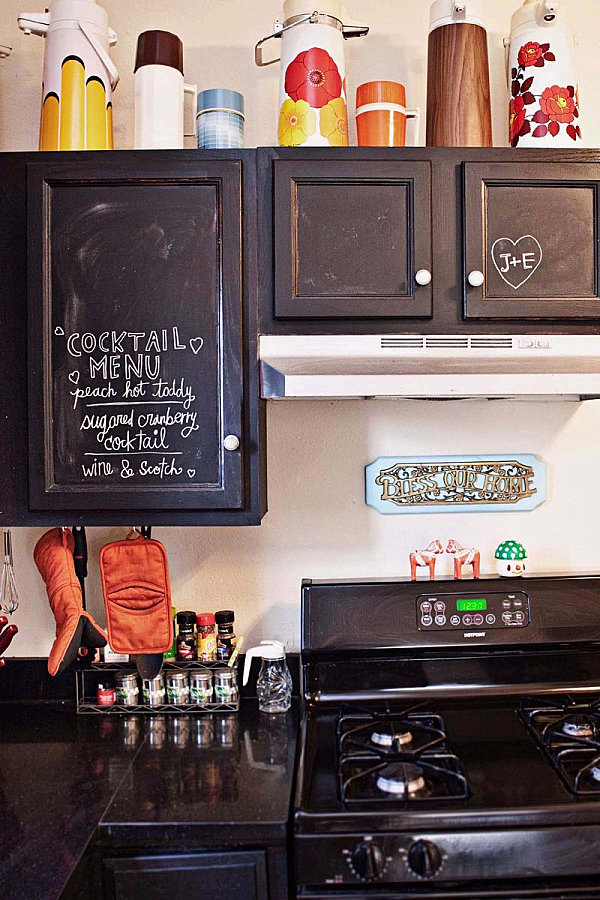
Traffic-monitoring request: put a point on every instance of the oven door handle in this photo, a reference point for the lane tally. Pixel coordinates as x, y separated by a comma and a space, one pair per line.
450, 691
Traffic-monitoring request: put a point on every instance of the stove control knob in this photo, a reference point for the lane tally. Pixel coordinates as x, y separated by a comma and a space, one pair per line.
368, 861
424, 858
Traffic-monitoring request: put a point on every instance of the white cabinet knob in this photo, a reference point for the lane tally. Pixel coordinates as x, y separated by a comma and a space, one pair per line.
476, 278
423, 277
231, 442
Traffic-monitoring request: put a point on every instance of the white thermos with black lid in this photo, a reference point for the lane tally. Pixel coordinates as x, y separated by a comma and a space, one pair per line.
159, 91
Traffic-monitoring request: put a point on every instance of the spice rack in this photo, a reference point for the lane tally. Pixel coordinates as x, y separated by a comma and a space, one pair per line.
89, 677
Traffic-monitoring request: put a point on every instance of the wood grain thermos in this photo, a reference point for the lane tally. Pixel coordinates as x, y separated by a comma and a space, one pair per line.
458, 80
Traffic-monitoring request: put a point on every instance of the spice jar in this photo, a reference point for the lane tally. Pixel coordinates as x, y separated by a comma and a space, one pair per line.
106, 696
225, 686
128, 692
153, 690
207, 638
201, 687
226, 639
186, 639
178, 687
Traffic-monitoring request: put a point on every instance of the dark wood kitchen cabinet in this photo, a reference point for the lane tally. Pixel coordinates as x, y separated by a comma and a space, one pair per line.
509, 237
350, 238
218, 876
531, 238
133, 321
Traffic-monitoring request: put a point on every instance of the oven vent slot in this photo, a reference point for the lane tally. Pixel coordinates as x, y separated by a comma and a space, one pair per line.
403, 341
489, 342
449, 343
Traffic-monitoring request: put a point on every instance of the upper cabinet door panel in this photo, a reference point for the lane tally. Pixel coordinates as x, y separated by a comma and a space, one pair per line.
532, 230
350, 237
135, 357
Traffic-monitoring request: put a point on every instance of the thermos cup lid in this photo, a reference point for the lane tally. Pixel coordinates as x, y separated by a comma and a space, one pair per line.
220, 98
293, 8
380, 92
159, 48
443, 12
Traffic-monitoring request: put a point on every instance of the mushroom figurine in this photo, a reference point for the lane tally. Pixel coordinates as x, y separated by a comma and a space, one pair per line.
510, 559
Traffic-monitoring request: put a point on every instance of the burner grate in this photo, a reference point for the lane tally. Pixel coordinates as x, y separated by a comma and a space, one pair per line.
567, 730
392, 756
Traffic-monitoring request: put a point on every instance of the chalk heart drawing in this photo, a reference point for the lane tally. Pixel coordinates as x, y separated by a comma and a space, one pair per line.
191, 473
196, 345
74, 377
516, 261
59, 332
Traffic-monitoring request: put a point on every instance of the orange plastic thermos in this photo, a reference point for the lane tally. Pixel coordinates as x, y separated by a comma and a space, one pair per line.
382, 114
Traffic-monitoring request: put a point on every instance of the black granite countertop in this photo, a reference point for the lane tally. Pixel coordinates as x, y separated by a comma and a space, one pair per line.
135, 781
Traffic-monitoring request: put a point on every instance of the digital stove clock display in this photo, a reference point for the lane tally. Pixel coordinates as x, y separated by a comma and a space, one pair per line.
477, 604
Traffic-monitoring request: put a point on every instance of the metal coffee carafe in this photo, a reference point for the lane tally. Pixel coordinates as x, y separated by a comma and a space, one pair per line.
312, 93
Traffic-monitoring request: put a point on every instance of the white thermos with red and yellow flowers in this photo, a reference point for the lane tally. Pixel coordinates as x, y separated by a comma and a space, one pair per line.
542, 78
312, 93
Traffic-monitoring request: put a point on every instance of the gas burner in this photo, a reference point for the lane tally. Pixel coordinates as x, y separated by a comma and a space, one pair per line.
579, 727
401, 778
568, 731
389, 732
391, 737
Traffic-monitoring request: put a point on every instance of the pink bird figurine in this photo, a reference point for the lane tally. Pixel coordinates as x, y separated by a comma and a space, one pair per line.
464, 556
425, 557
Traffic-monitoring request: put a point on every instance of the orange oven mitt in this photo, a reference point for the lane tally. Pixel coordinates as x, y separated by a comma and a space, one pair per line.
75, 627
137, 595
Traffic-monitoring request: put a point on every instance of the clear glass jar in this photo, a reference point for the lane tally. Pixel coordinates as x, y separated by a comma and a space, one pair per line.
274, 686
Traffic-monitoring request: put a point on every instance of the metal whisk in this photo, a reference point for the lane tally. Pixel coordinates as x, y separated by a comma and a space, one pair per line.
9, 596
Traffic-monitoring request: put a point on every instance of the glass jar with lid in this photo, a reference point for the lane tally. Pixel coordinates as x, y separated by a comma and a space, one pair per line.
186, 637
207, 638
226, 638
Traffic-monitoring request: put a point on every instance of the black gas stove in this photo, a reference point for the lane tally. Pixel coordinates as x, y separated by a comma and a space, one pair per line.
443, 757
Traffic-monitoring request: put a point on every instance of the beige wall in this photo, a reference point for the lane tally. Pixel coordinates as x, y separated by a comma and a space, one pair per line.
318, 525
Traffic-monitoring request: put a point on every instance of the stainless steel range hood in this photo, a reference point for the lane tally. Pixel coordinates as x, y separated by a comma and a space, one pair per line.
552, 367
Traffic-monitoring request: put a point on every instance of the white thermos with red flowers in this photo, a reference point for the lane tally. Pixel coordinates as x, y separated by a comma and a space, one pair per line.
312, 94
542, 78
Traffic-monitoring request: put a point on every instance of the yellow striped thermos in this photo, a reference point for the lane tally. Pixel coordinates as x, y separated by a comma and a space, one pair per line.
79, 76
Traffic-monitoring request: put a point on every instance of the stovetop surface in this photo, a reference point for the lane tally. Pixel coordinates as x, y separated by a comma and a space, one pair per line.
510, 780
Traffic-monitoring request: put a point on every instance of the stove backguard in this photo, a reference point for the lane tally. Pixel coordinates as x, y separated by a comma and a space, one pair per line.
365, 641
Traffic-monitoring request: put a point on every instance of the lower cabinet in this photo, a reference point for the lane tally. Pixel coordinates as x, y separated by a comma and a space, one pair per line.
214, 876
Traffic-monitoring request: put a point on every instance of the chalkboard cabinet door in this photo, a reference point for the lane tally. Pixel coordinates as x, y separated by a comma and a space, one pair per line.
218, 876
531, 240
350, 238
136, 383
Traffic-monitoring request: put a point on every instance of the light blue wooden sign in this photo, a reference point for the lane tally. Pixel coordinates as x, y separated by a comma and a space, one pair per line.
403, 484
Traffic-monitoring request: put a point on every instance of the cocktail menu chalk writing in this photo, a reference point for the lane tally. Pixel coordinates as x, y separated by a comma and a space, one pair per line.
135, 418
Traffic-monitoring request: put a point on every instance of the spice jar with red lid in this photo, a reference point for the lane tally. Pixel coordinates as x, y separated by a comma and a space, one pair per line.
207, 638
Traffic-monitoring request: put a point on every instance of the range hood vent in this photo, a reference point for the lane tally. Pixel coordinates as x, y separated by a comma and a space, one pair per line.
446, 366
